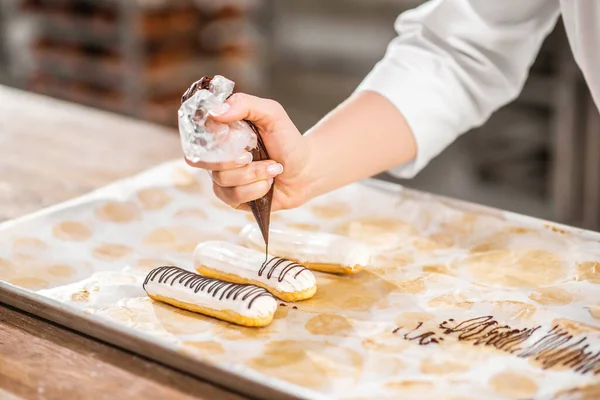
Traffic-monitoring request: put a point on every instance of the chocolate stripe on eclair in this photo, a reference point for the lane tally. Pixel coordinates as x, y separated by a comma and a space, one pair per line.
198, 283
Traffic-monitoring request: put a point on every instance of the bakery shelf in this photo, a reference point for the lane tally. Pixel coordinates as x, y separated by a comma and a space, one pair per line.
103, 27
158, 109
133, 56
3, 50
538, 90
141, 4
79, 92
89, 64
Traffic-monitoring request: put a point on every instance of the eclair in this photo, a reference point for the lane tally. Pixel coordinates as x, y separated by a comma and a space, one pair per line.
319, 251
285, 279
245, 305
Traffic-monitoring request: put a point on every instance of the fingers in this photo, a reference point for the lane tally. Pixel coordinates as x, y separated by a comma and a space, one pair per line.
238, 186
238, 195
243, 207
254, 172
244, 106
244, 159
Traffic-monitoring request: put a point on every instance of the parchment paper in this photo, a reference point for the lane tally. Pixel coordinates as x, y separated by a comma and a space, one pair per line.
375, 335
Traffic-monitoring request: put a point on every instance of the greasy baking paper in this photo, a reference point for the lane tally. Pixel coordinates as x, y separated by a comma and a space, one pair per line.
459, 302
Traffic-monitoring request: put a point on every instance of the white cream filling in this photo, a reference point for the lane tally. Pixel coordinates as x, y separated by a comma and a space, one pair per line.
246, 263
262, 306
309, 247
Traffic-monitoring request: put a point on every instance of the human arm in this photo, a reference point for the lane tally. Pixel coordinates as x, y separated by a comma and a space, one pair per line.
453, 63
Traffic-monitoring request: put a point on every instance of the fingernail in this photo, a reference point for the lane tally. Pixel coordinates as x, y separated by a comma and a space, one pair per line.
219, 109
244, 159
275, 169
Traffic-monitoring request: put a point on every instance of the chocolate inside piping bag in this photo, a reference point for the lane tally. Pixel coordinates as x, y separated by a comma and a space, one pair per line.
261, 208
203, 140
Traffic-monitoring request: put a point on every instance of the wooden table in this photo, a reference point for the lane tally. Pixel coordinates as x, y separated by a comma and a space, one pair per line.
51, 151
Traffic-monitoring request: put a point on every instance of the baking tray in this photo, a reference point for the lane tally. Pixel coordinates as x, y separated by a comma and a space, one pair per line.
436, 259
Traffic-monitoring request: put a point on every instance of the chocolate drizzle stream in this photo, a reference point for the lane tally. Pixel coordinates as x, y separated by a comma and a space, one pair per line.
275, 262
261, 208
217, 288
556, 348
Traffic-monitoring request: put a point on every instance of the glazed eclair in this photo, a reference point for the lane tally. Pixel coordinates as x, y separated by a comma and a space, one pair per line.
246, 305
285, 279
319, 251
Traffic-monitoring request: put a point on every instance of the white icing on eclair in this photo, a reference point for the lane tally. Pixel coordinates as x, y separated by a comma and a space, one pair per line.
309, 247
188, 287
277, 273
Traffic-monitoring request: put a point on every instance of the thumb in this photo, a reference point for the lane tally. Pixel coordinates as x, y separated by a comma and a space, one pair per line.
262, 112
276, 129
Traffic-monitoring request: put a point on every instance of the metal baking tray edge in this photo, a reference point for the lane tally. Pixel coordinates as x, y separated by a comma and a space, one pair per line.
247, 384
253, 383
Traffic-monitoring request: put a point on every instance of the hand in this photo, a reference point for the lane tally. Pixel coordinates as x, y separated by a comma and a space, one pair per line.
241, 181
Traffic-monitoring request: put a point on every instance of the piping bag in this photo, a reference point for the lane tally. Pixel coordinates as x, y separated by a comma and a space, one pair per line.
204, 139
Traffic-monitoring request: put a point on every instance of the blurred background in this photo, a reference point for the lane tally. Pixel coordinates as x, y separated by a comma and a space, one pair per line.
537, 156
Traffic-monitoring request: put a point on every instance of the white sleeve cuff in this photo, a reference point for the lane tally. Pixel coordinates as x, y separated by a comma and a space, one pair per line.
414, 94
453, 63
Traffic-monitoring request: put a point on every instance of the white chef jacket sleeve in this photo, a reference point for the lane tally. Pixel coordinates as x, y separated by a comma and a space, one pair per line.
454, 62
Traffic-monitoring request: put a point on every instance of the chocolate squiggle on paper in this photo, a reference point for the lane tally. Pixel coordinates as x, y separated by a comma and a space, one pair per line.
557, 348
215, 287
423, 338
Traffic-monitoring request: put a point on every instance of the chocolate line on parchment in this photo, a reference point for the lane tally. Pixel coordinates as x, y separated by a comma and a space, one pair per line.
558, 347
261, 208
